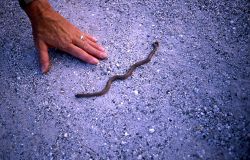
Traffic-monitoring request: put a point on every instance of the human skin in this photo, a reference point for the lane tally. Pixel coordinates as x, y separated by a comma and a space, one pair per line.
51, 30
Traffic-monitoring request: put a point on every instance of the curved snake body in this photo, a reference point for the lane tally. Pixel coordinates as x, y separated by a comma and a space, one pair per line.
121, 77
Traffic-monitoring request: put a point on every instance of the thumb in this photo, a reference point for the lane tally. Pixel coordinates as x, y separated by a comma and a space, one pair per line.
43, 56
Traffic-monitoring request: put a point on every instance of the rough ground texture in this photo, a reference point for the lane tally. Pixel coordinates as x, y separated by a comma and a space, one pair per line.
190, 102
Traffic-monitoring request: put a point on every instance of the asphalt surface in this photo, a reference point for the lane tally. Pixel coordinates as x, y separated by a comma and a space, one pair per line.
190, 102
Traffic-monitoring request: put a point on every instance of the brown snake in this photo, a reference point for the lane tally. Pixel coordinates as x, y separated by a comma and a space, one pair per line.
121, 77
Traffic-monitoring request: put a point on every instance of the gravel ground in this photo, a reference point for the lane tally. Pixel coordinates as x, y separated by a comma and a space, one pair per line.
190, 102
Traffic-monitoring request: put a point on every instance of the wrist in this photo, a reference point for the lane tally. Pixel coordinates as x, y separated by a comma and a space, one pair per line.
36, 8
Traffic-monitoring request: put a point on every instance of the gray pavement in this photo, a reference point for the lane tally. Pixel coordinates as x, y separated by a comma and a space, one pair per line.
190, 102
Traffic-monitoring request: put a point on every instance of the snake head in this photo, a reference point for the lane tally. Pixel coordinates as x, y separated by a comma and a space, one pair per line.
156, 44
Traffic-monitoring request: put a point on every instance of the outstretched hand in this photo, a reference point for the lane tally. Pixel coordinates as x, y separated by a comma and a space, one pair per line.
51, 30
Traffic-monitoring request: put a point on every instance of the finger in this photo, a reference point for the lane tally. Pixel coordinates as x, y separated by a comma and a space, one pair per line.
92, 40
90, 37
83, 44
81, 54
95, 45
43, 56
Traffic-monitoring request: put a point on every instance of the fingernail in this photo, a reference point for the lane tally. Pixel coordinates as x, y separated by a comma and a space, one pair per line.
101, 48
94, 38
44, 70
94, 61
104, 55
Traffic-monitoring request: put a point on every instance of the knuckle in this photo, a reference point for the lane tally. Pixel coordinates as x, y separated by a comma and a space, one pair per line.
85, 44
66, 47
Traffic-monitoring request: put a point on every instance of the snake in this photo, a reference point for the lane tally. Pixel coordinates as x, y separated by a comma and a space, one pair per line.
121, 77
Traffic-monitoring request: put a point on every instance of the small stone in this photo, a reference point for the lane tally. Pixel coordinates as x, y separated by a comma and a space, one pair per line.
62, 91
139, 157
151, 130
135, 92
126, 134
65, 135
196, 90
216, 109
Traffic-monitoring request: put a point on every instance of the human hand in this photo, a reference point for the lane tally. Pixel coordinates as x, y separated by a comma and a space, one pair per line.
51, 30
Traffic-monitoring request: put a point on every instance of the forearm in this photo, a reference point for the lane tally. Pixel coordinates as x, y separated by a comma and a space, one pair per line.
34, 9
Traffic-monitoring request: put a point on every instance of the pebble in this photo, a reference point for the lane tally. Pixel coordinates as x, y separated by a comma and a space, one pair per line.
65, 135
139, 157
151, 130
126, 134
123, 142
62, 91
135, 92
75, 73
